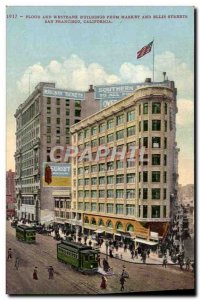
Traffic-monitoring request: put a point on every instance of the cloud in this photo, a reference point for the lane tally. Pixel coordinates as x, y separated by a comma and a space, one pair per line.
185, 115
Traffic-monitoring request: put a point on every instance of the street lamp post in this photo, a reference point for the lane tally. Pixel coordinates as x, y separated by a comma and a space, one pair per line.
106, 250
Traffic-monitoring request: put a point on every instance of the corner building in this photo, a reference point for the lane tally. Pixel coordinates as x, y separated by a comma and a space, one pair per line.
126, 197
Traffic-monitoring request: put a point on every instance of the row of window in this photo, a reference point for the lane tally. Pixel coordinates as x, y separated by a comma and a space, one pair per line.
155, 108
77, 112
58, 139
155, 125
128, 209
120, 193
67, 102
58, 130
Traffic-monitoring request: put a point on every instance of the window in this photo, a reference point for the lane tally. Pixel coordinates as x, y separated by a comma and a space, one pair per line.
156, 194
165, 177
77, 103
155, 142
119, 164
130, 163
67, 130
102, 193
109, 210
120, 119
58, 101
57, 139
155, 211
86, 133
80, 171
77, 113
110, 193
130, 131
165, 108
164, 194
93, 206
139, 126
130, 194
93, 194
140, 109
67, 140
102, 167
110, 137
119, 134
102, 140
145, 142
144, 211
145, 176
130, 209
67, 122
165, 126
67, 112
119, 208
86, 194
86, 170
156, 108
155, 176
94, 143
80, 136
164, 211
165, 143
48, 129
102, 127
110, 124
57, 130
87, 206
48, 139
110, 179
130, 115
145, 194
93, 180
145, 108
48, 120
101, 206
165, 160
80, 181
58, 110
156, 125
94, 168
119, 193
130, 146
67, 102
87, 181
94, 130
155, 159
48, 100
130, 178
120, 178
102, 180
145, 125
48, 110
110, 165
80, 194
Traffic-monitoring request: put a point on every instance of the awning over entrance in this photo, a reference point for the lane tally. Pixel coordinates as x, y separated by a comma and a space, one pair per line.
99, 231
151, 243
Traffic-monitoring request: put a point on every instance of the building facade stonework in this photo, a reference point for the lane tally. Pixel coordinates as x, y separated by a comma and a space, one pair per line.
124, 196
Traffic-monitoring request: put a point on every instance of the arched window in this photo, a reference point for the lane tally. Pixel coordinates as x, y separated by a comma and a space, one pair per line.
130, 227
109, 224
101, 223
119, 226
93, 221
86, 220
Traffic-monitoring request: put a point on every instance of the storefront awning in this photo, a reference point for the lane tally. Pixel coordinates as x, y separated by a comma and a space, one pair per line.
99, 231
151, 243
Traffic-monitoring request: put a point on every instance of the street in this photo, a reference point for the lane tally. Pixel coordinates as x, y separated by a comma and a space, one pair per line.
142, 278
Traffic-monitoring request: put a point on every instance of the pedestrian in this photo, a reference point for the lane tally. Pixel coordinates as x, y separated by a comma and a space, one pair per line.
51, 272
9, 253
17, 262
132, 254
99, 260
136, 253
122, 281
90, 243
85, 239
125, 248
121, 256
187, 263
148, 252
110, 252
164, 262
35, 274
181, 264
103, 283
106, 266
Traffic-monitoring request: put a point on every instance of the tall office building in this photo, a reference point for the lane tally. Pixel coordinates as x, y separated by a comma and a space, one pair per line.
42, 122
124, 196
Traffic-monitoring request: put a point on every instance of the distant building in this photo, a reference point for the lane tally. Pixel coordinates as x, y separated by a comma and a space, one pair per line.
186, 199
125, 197
10, 193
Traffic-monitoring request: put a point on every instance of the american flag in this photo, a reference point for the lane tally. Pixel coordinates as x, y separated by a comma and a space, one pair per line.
146, 49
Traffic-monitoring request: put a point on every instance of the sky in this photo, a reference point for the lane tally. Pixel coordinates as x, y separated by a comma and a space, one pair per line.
77, 55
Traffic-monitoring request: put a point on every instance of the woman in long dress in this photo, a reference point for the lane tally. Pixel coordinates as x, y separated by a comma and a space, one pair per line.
103, 282
35, 275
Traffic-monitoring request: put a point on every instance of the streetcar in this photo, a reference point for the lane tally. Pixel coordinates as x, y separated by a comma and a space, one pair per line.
81, 257
26, 234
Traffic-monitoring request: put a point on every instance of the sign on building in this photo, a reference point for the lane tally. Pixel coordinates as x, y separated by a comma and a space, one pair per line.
52, 92
56, 174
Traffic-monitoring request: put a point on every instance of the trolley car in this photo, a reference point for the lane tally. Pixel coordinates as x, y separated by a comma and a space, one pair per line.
81, 257
26, 234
